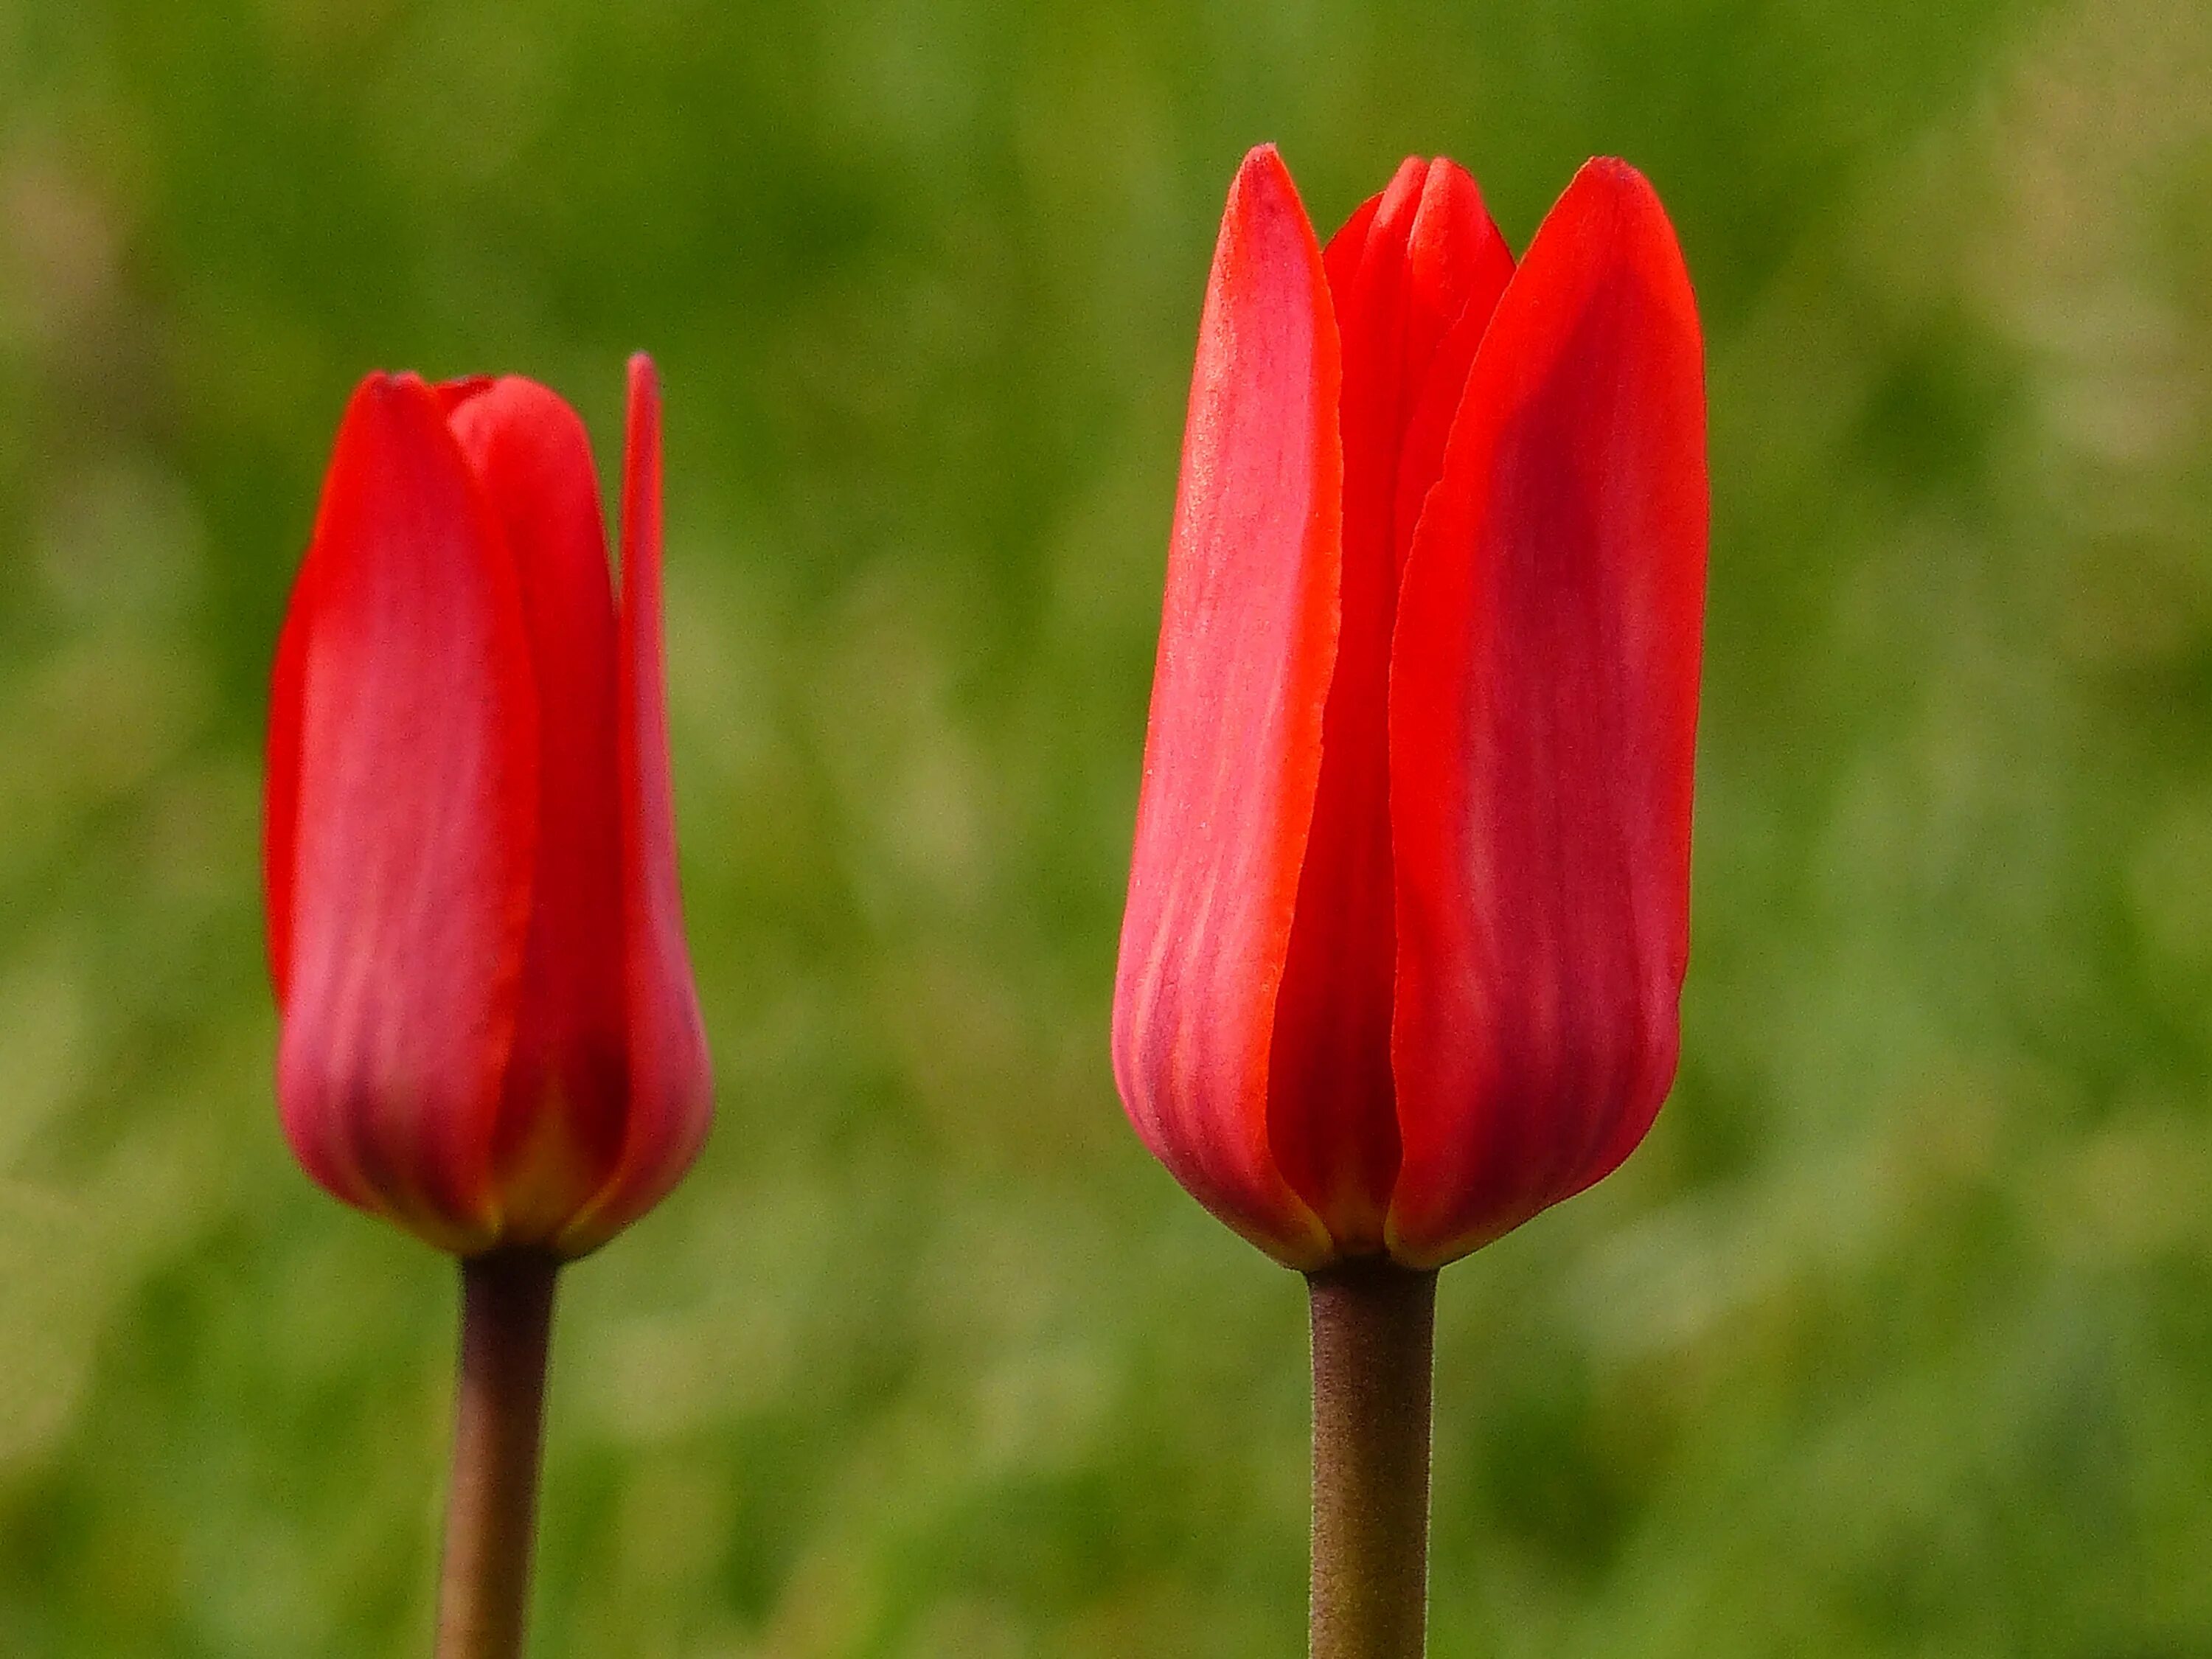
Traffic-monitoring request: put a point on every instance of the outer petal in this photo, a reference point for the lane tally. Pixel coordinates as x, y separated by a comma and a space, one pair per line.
671, 1083
1232, 756
560, 1127
405, 674
1543, 706
1411, 307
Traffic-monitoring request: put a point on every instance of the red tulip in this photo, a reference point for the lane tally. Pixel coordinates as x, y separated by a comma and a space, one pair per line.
1408, 911
490, 1031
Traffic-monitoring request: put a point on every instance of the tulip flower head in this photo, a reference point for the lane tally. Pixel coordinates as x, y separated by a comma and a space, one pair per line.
489, 1030
1408, 909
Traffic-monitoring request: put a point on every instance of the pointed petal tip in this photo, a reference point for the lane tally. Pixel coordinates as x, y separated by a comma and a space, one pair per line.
1608, 223
1443, 172
485, 409
641, 437
1625, 189
1264, 219
1263, 171
385, 397
1614, 173
368, 392
389, 384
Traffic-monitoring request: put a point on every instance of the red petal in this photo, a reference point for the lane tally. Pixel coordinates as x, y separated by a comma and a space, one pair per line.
1543, 707
407, 681
1412, 311
670, 1084
1456, 265
1233, 752
1412, 307
453, 396
1340, 259
560, 1130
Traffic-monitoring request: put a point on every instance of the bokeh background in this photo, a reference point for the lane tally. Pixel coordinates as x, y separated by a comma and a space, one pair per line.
1896, 1337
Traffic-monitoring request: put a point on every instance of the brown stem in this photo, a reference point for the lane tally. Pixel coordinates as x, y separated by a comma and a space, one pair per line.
1373, 1341
506, 1316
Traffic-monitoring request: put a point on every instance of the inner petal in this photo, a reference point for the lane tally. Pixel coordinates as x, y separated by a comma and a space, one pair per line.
1413, 274
561, 1124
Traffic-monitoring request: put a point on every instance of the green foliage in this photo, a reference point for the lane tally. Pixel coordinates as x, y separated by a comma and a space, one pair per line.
1895, 1340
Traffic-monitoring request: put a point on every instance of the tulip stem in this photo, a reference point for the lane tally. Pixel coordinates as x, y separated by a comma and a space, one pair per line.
506, 1319
1373, 1344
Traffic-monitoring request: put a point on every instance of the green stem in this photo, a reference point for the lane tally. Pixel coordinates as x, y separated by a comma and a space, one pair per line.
1373, 1344
506, 1319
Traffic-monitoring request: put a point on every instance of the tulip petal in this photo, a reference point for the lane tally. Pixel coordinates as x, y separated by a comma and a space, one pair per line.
1456, 266
671, 1083
1412, 307
1232, 755
1342, 255
1543, 707
561, 1127
406, 676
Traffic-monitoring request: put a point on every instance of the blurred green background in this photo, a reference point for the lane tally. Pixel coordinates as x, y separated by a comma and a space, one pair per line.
1895, 1338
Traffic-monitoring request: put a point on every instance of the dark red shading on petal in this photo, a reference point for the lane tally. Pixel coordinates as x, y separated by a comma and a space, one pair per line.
455, 395
1232, 754
1413, 279
671, 1083
1543, 707
409, 684
560, 1128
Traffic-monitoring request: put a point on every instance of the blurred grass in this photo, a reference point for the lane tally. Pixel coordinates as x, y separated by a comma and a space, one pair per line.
1895, 1340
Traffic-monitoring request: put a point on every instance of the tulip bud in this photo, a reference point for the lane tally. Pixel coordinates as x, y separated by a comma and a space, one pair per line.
1408, 908
490, 1031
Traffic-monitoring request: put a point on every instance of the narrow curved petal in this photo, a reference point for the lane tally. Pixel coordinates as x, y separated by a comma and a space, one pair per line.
1410, 307
1456, 267
1232, 755
671, 1083
1342, 255
561, 1127
406, 677
1543, 707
